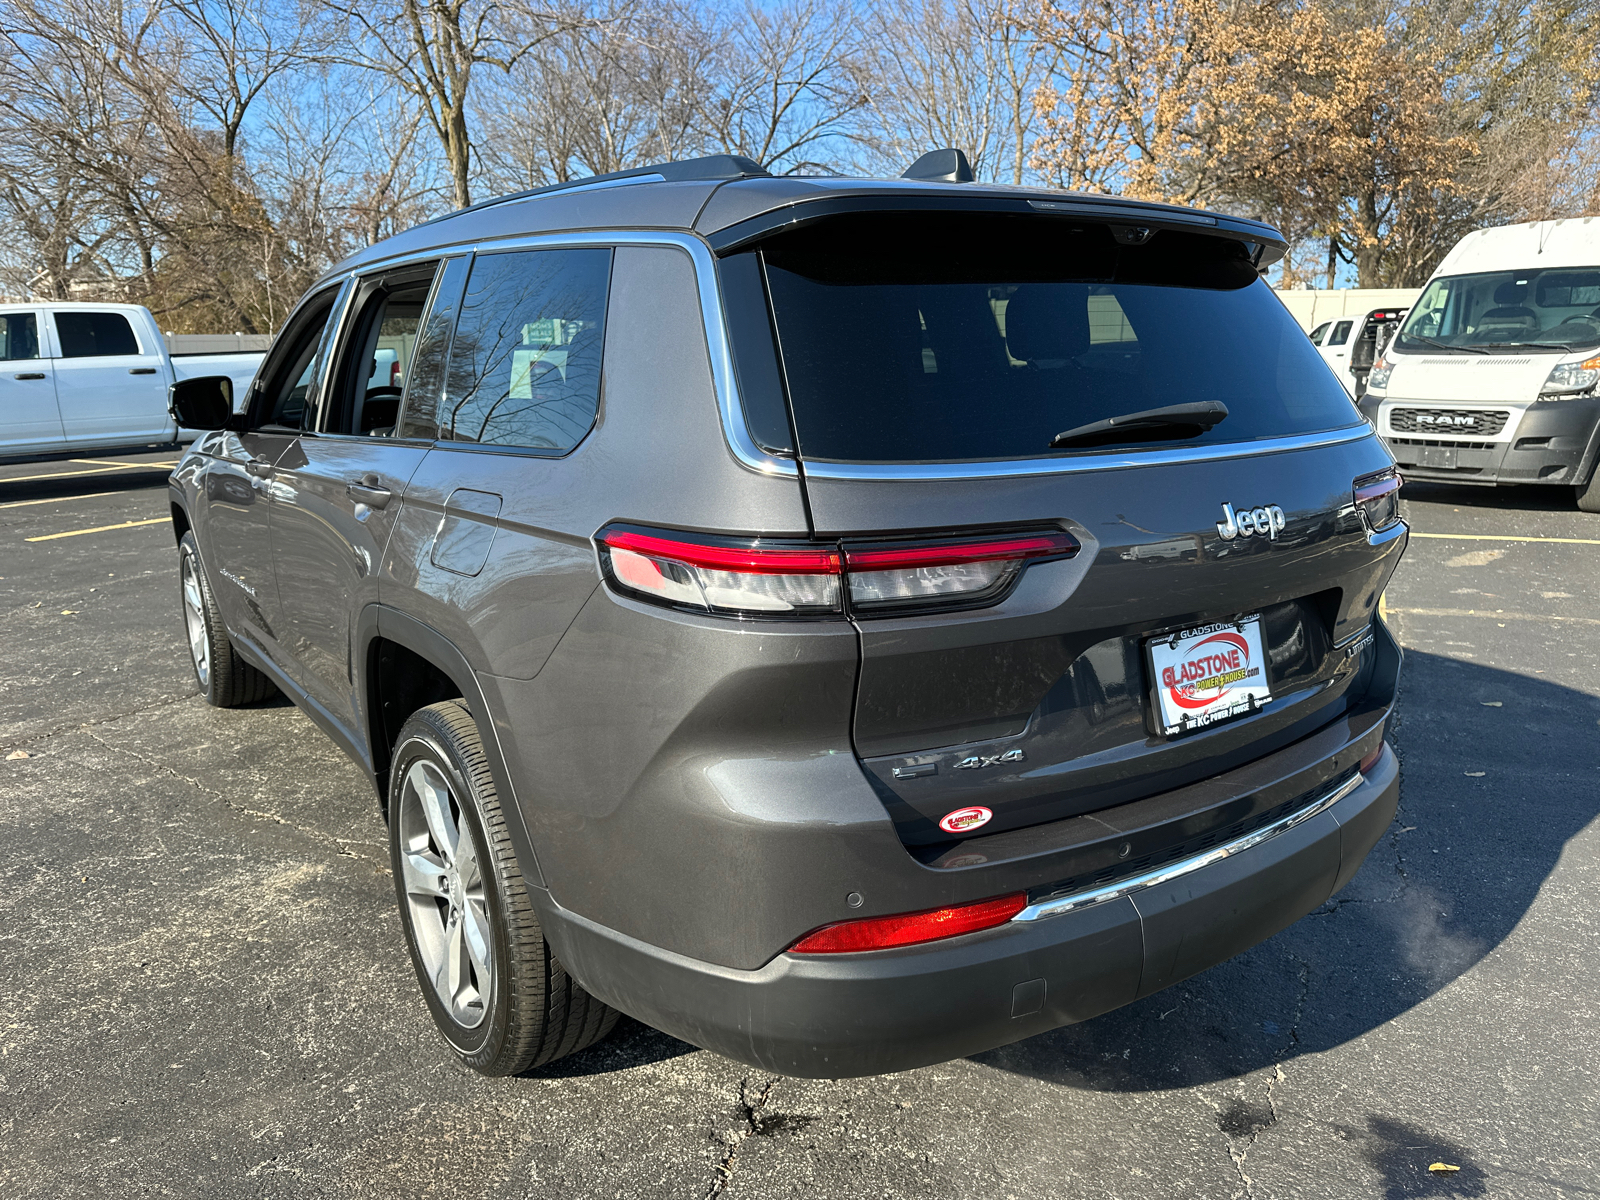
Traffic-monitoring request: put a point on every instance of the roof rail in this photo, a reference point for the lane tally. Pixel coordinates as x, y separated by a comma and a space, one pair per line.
712, 168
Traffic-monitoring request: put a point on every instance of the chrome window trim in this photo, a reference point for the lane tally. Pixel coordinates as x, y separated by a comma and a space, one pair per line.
1070, 465
729, 406
1058, 905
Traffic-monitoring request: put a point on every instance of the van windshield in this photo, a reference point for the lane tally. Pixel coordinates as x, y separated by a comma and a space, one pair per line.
1556, 309
954, 337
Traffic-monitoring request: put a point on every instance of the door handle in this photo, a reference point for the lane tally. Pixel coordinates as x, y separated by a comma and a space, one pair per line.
259, 467
368, 490
141, 370
29, 375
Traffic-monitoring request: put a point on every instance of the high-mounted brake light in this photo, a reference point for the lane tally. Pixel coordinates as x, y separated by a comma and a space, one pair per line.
908, 929
776, 578
1377, 498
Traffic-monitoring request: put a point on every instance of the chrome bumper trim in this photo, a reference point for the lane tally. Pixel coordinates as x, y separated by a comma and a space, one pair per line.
1058, 905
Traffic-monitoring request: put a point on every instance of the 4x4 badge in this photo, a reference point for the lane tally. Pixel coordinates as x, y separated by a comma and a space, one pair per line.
973, 762
1267, 522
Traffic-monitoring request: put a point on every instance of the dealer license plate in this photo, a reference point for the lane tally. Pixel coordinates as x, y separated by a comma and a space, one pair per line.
1208, 674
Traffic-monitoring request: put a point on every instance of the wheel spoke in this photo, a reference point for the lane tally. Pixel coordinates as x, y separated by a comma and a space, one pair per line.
434, 796
424, 875
475, 933
453, 971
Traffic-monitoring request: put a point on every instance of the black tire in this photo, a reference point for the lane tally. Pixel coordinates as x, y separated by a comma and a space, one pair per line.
534, 1012
1588, 494
225, 679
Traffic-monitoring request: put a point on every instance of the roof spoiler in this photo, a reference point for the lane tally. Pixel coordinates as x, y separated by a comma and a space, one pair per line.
941, 166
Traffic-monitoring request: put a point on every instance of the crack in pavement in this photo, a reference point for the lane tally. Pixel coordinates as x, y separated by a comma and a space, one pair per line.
142, 707
341, 845
759, 1122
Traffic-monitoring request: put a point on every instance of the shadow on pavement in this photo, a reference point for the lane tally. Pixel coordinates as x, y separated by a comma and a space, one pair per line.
631, 1044
1515, 497
1451, 879
90, 483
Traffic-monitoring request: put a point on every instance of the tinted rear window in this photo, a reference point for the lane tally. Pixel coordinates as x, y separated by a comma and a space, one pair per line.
933, 337
95, 335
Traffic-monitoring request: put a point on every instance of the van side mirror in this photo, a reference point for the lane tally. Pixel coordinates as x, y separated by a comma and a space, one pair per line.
203, 403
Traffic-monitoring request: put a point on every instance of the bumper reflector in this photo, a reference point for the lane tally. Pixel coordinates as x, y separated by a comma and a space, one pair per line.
908, 929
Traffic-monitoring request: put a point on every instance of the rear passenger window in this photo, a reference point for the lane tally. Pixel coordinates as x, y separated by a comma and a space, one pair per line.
1341, 333
95, 335
19, 336
524, 366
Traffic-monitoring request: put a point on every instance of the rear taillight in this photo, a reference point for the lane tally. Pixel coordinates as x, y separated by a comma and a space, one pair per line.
1377, 498
724, 576
758, 577
965, 571
1371, 760
908, 929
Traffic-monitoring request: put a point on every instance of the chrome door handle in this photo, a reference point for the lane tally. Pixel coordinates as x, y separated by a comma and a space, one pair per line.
367, 491
30, 375
259, 467
141, 370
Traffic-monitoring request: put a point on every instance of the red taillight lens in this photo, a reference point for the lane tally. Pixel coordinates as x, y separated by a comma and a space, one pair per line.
753, 577
1377, 498
908, 929
724, 576
945, 572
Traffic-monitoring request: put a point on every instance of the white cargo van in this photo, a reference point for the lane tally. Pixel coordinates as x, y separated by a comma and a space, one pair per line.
1491, 379
79, 377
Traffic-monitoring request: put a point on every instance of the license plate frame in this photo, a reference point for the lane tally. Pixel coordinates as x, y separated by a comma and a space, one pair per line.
1219, 674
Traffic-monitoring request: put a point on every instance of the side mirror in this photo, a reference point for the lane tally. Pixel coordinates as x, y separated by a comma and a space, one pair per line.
203, 403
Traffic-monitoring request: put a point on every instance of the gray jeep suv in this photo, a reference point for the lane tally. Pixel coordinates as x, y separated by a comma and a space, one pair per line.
844, 624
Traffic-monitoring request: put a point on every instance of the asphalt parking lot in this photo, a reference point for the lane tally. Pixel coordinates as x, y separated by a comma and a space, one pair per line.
203, 988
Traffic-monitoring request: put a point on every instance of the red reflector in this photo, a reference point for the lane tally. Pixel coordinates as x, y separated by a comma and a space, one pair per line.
751, 560
907, 929
1033, 545
1371, 760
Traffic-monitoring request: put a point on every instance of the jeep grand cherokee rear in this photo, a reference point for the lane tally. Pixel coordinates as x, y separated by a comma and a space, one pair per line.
958, 618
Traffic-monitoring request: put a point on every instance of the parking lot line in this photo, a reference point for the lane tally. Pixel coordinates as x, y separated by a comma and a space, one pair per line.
100, 462
1504, 537
57, 499
71, 474
50, 537
1494, 616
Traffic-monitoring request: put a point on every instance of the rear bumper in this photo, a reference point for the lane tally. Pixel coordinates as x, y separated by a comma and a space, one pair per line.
1551, 441
833, 1016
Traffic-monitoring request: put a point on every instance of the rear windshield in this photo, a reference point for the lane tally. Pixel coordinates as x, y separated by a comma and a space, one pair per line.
953, 337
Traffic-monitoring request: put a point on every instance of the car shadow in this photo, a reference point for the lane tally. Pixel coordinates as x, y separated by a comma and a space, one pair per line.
631, 1044
74, 481
1498, 773
1515, 497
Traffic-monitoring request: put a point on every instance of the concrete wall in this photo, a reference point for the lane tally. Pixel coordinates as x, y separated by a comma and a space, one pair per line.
216, 343
1311, 307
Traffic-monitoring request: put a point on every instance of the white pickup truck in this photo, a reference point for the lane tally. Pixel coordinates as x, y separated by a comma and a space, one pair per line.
78, 377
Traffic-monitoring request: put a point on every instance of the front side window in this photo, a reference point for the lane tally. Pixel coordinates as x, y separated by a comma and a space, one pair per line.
95, 334
524, 366
290, 370
1556, 309
1316, 334
19, 336
950, 337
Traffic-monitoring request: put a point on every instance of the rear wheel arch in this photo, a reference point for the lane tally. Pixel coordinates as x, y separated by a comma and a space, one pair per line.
408, 666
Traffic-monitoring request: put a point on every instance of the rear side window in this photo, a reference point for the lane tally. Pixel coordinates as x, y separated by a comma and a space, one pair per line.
951, 337
95, 335
524, 366
19, 336
1341, 334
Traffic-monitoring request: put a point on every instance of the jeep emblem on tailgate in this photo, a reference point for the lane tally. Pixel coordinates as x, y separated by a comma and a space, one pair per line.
1268, 521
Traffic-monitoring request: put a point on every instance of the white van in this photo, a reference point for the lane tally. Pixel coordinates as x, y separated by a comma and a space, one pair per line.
1492, 377
79, 377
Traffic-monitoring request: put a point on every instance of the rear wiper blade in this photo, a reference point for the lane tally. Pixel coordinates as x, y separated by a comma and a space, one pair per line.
1172, 422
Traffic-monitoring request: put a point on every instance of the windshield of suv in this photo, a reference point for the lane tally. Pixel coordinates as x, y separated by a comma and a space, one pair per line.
936, 337
1555, 309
